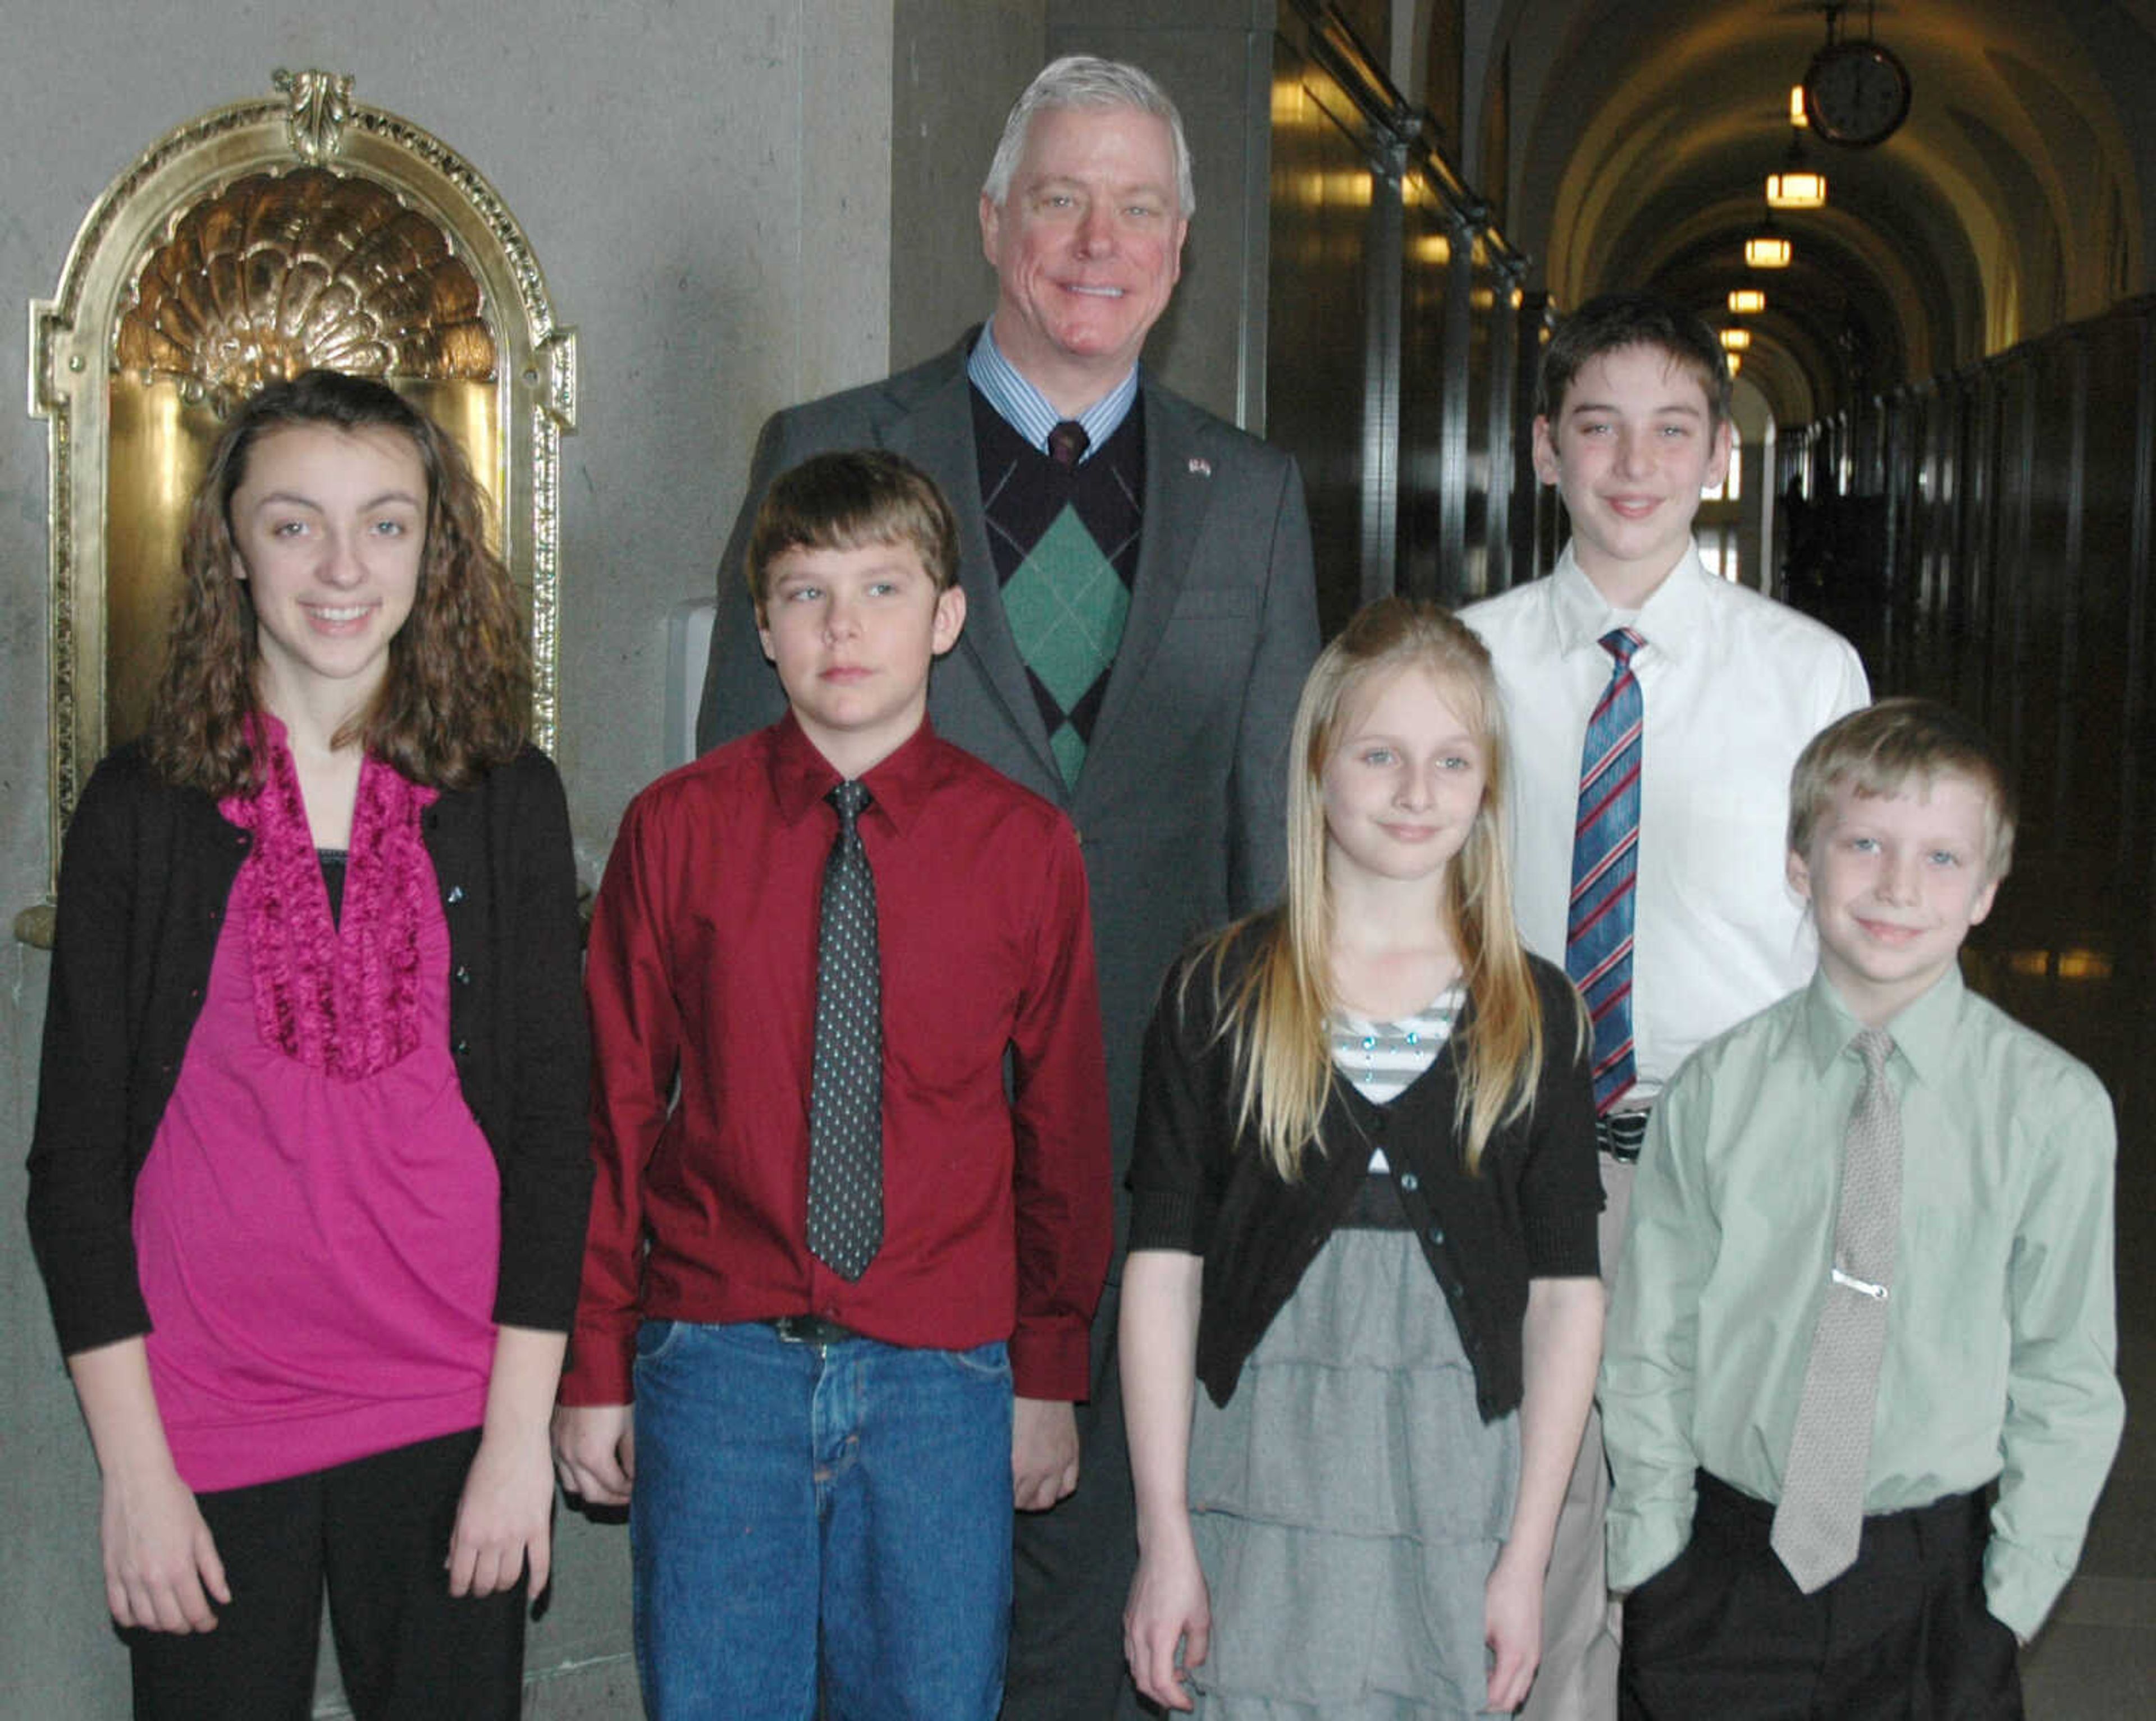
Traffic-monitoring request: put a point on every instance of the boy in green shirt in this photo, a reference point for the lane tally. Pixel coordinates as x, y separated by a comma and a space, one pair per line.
1857, 1434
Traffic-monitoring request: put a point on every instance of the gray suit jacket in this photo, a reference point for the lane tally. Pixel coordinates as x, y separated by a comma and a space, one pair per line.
1180, 807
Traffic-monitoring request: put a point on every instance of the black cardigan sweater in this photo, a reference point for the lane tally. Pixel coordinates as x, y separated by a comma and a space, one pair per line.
144, 879
1529, 1211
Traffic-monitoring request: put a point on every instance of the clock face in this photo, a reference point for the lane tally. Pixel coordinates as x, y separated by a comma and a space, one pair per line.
1856, 93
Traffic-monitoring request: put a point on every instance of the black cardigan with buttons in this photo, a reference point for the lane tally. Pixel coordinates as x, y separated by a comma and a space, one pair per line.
1529, 1211
144, 879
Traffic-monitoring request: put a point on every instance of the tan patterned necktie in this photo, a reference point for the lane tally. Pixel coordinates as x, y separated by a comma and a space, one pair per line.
1821, 1515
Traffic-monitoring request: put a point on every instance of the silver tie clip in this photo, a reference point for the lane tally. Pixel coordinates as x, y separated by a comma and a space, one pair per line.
1862, 1286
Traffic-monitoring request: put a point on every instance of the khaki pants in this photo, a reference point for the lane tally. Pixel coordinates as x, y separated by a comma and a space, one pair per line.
1579, 1678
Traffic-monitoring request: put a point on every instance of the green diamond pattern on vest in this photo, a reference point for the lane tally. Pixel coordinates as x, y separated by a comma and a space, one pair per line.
1069, 747
1066, 605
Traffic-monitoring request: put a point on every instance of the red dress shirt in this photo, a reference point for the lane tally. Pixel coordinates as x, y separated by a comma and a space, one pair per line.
997, 1207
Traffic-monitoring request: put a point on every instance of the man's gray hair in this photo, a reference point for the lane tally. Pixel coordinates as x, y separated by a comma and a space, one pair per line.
1080, 81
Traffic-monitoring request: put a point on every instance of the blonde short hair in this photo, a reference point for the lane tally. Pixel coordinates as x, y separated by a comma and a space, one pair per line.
1883, 749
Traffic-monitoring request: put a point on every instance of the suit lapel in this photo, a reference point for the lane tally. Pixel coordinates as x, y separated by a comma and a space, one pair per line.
1179, 489
937, 435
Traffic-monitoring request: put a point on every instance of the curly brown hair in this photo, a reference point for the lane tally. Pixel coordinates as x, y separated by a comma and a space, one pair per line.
456, 696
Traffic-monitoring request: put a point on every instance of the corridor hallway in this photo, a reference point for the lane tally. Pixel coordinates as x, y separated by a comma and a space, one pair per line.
2081, 968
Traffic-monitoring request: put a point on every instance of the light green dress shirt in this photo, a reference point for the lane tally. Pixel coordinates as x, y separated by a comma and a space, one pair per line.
2001, 1330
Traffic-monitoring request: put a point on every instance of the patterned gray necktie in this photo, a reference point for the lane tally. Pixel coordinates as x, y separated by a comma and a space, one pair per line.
1821, 1515
845, 1092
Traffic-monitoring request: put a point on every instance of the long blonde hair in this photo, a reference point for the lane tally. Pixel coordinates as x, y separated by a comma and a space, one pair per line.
1276, 1013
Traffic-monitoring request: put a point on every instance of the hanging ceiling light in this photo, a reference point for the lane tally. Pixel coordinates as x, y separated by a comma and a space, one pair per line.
1747, 301
1796, 186
1798, 116
1735, 340
1768, 248
1736, 362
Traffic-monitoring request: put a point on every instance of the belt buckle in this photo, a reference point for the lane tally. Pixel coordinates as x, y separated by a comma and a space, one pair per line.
807, 1329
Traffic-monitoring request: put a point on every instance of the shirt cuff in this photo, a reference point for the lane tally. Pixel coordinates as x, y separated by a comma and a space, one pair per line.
1163, 1219
2021, 1586
1642, 1542
1052, 1358
600, 1368
1563, 1245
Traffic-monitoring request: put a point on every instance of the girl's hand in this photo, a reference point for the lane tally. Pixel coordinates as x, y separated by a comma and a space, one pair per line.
1512, 1627
504, 1515
1169, 1609
160, 1559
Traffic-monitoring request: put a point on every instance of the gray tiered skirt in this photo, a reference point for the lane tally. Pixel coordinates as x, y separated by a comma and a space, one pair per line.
1349, 1502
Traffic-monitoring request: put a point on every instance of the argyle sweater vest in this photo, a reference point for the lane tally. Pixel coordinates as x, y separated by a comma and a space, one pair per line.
1066, 543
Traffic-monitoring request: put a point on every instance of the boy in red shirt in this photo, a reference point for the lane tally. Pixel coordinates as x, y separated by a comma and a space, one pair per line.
841, 1273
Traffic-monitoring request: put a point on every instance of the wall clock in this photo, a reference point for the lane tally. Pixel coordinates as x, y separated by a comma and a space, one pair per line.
1856, 93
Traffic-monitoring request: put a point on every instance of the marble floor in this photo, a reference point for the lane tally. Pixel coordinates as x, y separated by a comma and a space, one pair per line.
2079, 964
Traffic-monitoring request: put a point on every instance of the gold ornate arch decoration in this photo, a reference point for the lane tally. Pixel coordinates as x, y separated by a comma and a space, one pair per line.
249, 244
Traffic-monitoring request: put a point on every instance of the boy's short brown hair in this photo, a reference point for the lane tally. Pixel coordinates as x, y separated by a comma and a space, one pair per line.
845, 500
1613, 321
1884, 748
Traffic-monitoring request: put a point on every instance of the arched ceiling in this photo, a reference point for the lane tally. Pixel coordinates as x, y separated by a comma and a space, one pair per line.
2020, 194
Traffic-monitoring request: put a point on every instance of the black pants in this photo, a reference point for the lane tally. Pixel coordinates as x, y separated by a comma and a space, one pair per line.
1903, 1635
1072, 1569
375, 1531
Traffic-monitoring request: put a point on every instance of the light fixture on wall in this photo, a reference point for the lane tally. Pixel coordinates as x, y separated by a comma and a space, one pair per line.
1735, 340
1747, 301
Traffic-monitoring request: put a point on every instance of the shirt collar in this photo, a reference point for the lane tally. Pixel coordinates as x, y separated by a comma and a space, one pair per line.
1673, 622
801, 776
1924, 1031
1026, 409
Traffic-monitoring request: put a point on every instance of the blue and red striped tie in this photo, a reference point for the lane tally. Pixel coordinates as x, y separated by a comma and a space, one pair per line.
1606, 855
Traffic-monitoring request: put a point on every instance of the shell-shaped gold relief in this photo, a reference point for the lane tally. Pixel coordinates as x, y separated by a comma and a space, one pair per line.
281, 272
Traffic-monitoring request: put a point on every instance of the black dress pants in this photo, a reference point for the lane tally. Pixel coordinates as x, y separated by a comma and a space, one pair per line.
1072, 1569
1903, 1635
375, 1533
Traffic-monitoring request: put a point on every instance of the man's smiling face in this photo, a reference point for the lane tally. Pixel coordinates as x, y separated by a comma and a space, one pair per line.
1087, 244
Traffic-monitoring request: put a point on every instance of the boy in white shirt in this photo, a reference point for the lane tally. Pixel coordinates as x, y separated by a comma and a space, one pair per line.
1698, 694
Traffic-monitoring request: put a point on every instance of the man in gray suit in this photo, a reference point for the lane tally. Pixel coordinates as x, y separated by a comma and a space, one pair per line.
1140, 614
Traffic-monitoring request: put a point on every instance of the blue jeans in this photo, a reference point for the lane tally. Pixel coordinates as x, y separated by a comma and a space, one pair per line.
800, 1509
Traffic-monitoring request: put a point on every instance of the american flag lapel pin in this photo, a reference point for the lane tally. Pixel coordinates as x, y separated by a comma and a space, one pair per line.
1200, 467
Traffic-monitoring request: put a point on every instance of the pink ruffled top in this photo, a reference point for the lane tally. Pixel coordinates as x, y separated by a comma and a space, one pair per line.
317, 1226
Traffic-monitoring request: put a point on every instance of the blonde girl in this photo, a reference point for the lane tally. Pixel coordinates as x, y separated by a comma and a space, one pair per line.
309, 1178
1365, 1195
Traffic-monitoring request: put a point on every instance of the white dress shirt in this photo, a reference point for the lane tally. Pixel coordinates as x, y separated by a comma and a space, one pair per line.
1733, 686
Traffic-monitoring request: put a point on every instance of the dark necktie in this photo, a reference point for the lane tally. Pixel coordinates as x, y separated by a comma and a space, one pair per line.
1067, 443
1605, 853
845, 1094
1820, 1519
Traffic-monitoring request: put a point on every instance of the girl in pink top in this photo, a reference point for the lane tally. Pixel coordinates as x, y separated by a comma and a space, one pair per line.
309, 1180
